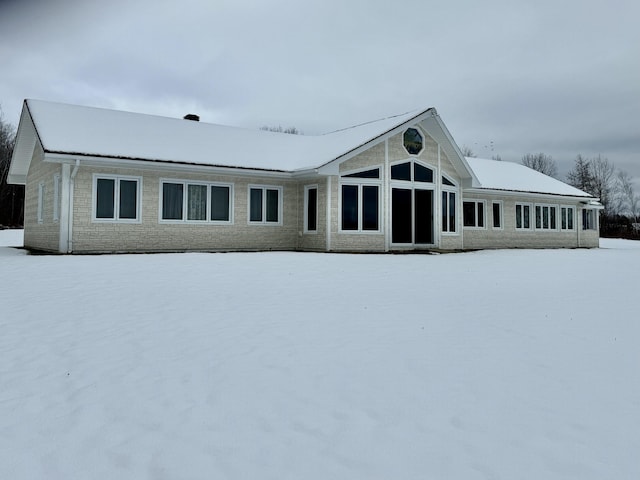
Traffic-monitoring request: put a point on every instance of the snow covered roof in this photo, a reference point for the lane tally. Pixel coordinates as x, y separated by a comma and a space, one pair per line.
500, 175
72, 129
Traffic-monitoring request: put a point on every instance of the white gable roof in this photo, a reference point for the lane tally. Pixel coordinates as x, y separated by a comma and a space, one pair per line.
500, 175
77, 130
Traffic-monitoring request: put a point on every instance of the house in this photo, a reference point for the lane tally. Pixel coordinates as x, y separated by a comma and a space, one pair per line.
110, 181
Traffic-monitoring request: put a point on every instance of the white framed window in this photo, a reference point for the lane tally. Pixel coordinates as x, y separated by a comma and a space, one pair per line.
567, 216
56, 197
310, 208
190, 201
496, 214
116, 198
265, 204
473, 213
523, 216
41, 202
546, 217
589, 219
359, 201
449, 206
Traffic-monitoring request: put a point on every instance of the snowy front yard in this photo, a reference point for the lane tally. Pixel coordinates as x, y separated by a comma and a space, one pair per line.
488, 365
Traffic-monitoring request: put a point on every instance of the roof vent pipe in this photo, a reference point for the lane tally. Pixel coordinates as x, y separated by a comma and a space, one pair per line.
192, 116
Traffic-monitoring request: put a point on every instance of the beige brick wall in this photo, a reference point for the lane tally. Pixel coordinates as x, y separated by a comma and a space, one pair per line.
151, 235
509, 237
46, 235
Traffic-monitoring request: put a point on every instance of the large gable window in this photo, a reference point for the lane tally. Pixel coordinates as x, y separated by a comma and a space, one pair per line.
116, 198
184, 201
411, 172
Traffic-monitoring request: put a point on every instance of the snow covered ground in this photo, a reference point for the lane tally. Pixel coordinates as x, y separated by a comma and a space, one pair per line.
488, 365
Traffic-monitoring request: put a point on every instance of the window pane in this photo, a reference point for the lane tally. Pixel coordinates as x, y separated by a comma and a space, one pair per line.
545, 217
496, 215
445, 217
374, 173
412, 141
422, 174
452, 212
469, 214
220, 203
128, 197
272, 205
196, 202
105, 198
349, 207
255, 207
480, 214
401, 172
312, 209
527, 216
518, 216
172, 201
570, 218
446, 181
538, 218
369, 207
563, 218
552, 212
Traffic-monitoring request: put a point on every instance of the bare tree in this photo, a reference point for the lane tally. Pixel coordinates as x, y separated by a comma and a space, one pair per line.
627, 201
11, 196
496, 157
604, 182
467, 152
541, 163
279, 129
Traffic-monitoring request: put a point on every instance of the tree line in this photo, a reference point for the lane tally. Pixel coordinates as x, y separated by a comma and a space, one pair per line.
599, 177
11, 196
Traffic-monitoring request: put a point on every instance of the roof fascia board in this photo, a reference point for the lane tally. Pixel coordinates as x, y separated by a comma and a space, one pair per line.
519, 193
332, 167
108, 162
26, 140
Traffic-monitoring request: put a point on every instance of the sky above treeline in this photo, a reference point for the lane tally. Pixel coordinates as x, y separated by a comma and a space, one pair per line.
507, 77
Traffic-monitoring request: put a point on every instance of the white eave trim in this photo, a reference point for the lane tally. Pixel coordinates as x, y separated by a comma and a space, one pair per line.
164, 166
518, 193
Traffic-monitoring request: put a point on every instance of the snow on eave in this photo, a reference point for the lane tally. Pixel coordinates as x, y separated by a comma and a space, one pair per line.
514, 177
528, 192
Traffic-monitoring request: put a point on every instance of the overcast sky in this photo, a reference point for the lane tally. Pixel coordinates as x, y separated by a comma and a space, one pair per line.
507, 77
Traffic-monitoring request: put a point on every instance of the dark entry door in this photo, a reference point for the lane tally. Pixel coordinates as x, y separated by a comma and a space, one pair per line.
411, 216
401, 228
423, 216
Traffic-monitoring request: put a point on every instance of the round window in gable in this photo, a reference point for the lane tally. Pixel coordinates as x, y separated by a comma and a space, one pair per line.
413, 141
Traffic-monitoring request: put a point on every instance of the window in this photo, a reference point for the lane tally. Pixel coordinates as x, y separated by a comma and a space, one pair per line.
359, 201
311, 208
473, 213
588, 219
449, 212
523, 216
265, 205
360, 208
195, 202
56, 197
40, 202
546, 217
116, 198
411, 171
496, 208
412, 141
566, 218
446, 181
